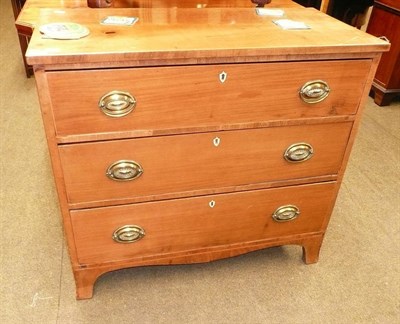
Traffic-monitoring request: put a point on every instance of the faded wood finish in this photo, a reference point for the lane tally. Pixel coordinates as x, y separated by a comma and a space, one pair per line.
30, 14
245, 174
29, 17
201, 192
173, 162
190, 224
163, 35
135, 133
86, 275
356, 125
168, 92
47, 117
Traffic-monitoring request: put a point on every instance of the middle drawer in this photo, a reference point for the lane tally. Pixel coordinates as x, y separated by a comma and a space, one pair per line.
123, 169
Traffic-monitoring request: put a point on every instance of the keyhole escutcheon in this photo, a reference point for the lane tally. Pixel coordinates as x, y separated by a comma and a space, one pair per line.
216, 141
223, 76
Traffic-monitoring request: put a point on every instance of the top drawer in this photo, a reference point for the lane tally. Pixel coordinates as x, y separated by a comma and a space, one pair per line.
170, 99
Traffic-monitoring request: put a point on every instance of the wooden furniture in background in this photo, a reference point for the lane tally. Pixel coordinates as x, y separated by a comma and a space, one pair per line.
198, 134
385, 22
309, 3
17, 6
23, 36
324, 5
352, 12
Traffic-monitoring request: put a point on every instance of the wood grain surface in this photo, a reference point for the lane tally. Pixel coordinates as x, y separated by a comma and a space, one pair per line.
174, 164
190, 224
30, 15
170, 61
170, 99
165, 34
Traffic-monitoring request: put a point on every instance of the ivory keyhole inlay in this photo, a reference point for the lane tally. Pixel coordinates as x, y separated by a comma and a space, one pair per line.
223, 76
216, 141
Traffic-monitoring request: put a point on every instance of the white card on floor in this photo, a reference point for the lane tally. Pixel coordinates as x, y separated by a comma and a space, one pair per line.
291, 24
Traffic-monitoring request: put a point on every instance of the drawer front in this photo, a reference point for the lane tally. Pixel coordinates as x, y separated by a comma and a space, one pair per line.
173, 164
171, 98
195, 223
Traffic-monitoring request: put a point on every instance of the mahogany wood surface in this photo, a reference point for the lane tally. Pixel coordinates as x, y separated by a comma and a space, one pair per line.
28, 18
136, 133
163, 34
17, 6
245, 174
165, 97
395, 4
192, 162
86, 276
30, 14
385, 22
45, 107
190, 224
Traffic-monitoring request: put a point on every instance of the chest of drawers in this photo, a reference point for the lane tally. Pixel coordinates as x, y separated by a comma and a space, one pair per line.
197, 135
385, 22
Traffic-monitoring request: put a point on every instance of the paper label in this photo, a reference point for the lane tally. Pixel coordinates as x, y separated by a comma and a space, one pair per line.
119, 21
291, 24
270, 12
64, 31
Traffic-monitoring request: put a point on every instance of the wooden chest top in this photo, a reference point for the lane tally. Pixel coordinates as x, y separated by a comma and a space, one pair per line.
196, 36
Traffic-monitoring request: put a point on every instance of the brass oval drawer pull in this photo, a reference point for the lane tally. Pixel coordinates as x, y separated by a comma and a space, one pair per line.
314, 91
124, 170
286, 213
128, 234
117, 103
298, 152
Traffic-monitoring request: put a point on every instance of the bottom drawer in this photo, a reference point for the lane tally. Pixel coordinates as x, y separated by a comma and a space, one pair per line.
199, 222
